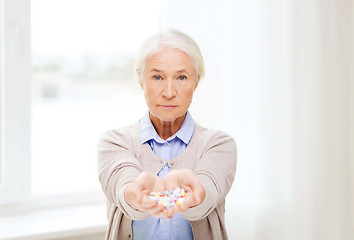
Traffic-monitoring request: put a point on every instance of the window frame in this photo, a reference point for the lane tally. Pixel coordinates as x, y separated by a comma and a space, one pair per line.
15, 118
15, 76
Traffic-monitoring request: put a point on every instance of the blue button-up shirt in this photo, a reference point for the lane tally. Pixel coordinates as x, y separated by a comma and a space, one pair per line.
178, 227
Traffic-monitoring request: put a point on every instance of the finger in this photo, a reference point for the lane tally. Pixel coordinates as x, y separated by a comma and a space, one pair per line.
159, 185
188, 202
147, 203
182, 206
199, 194
172, 180
157, 210
138, 191
197, 191
133, 196
145, 181
170, 212
158, 214
171, 184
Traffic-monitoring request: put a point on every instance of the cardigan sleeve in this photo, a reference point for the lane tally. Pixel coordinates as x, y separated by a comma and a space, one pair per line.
117, 168
216, 171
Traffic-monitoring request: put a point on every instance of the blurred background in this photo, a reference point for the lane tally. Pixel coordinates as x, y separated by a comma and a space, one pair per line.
279, 79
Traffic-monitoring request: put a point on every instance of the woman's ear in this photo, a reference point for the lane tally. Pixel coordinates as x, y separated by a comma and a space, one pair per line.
196, 85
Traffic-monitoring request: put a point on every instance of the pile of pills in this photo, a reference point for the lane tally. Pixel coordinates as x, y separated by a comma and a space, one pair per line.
169, 198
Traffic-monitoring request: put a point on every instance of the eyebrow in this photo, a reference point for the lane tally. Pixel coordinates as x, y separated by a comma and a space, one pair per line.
160, 71
156, 70
182, 71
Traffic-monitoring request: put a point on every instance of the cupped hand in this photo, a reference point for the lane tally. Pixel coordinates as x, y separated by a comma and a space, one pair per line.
137, 194
187, 180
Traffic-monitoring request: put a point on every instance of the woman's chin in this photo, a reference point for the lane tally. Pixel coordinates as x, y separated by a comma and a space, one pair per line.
167, 117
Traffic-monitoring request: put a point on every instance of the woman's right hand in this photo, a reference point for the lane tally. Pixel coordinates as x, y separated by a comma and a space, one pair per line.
137, 194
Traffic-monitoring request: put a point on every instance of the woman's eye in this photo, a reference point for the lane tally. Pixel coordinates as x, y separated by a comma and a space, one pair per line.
182, 78
156, 77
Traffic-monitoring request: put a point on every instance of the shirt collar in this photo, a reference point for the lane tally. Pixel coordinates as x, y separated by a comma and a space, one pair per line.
148, 132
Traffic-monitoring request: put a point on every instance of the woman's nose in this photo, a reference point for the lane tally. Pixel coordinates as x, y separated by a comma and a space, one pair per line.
169, 89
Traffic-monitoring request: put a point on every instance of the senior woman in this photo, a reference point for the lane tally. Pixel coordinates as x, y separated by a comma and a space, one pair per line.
166, 150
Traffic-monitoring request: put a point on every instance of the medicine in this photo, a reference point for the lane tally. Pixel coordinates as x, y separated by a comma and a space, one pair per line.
169, 198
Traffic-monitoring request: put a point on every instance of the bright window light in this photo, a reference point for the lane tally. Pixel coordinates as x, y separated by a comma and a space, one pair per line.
83, 84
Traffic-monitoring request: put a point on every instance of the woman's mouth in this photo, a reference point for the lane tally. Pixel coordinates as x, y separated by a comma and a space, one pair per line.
168, 106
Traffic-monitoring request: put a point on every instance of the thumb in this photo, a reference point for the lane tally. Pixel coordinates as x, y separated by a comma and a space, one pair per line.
159, 185
171, 183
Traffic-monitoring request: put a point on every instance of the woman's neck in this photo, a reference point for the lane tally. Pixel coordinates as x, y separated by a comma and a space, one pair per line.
166, 129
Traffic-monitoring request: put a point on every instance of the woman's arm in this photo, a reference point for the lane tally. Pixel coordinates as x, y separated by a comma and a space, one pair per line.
118, 168
211, 180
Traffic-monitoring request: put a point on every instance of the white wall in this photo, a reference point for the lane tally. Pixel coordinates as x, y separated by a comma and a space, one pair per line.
351, 119
280, 80
321, 109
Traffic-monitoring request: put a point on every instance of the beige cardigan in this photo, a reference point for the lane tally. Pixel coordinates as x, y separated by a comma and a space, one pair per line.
210, 154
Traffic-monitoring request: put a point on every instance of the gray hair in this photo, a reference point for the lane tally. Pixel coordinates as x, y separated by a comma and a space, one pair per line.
170, 38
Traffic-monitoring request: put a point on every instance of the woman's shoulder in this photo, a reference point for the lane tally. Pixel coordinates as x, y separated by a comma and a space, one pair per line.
123, 134
209, 134
206, 138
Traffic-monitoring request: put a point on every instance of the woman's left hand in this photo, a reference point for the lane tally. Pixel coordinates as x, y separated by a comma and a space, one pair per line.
195, 192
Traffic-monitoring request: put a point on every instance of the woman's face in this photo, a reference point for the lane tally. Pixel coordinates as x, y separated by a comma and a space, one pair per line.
169, 81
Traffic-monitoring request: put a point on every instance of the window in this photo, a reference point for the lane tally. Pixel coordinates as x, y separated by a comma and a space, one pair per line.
66, 77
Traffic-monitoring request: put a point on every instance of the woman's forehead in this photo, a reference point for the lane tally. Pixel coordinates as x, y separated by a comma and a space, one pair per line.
170, 58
